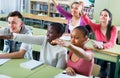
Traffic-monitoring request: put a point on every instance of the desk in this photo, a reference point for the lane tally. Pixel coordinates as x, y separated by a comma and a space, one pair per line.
12, 68
112, 55
46, 18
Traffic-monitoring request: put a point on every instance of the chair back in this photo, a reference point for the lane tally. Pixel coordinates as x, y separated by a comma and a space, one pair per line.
96, 70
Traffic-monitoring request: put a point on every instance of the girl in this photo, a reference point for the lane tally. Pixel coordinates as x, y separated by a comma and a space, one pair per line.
81, 59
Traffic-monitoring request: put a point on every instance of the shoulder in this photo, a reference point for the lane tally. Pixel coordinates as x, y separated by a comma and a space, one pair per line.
26, 30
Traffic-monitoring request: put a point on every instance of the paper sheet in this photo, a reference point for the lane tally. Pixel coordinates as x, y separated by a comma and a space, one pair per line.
63, 75
2, 61
31, 64
4, 76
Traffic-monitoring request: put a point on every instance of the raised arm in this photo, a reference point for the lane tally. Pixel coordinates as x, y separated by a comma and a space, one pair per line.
64, 13
77, 50
89, 22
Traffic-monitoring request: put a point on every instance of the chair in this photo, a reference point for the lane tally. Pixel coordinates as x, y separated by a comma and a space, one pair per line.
96, 70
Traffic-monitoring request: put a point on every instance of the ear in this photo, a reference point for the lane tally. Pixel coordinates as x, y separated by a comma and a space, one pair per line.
22, 24
109, 19
59, 35
86, 38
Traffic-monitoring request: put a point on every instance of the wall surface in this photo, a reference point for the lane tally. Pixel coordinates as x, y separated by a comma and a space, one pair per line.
112, 5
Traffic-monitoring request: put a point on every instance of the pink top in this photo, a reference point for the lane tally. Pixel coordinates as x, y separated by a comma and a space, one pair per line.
82, 66
99, 35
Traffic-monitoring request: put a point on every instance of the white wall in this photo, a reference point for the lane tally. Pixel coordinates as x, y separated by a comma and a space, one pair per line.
112, 5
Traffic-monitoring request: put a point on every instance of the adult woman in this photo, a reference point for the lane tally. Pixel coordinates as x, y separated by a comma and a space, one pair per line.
105, 32
74, 18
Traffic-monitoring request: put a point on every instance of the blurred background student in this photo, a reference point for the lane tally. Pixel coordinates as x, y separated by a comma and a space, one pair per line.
73, 17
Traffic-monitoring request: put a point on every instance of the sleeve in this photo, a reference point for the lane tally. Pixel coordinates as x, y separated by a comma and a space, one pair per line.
62, 59
89, 22
29, 39
64, 13
113, 38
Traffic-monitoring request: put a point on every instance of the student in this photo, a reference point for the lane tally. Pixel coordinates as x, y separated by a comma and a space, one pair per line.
74, 18
105, 33
81, 59
53, 55
15, 49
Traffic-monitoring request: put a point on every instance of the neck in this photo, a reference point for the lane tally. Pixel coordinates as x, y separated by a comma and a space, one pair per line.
103, 26
76, 17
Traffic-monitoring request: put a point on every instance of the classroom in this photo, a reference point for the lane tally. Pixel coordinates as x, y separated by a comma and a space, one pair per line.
59, 39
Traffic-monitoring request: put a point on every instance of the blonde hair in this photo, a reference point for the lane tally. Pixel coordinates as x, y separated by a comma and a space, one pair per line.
80, 3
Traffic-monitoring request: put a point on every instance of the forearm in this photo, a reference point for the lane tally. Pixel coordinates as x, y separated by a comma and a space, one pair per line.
79, 52
12, 55
28, 39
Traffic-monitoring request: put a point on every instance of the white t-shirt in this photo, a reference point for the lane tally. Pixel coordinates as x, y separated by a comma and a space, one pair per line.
52, 55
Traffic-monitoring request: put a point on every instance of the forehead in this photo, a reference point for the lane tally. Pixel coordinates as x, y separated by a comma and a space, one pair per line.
104, 12
14, 18
75, 5
51, 28
77, 32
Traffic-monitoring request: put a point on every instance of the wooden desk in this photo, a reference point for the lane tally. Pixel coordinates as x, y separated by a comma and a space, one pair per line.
46, 18
112, 55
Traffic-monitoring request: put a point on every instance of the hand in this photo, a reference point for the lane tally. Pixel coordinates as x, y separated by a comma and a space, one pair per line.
60, 42
70, 71
4, 34
98, 44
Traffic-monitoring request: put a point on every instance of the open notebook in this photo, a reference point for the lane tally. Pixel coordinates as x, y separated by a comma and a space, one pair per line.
2, 61
31, 64
64, 75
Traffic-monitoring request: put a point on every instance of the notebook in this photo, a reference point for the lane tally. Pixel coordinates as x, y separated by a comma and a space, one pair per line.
31, 64
64, 75
2, 61
4, 76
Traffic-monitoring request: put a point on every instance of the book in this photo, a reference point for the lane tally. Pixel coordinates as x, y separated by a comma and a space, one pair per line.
2, 61
31, 64
64, 75
4, 76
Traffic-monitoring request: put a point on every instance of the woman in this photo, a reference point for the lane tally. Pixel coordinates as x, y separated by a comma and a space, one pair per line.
74, 18
105, 34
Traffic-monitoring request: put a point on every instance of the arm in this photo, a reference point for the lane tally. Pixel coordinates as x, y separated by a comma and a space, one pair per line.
66, 14
29, 39
62, 59
18, 54
77, 50
113, 38
89, 22
81, 52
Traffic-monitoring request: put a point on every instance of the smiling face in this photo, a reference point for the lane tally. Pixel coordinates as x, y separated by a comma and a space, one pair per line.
52, 34
76, 9
104, 17
15, 24
78, 38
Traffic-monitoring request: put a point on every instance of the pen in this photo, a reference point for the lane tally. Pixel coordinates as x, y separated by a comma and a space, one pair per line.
63, 72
